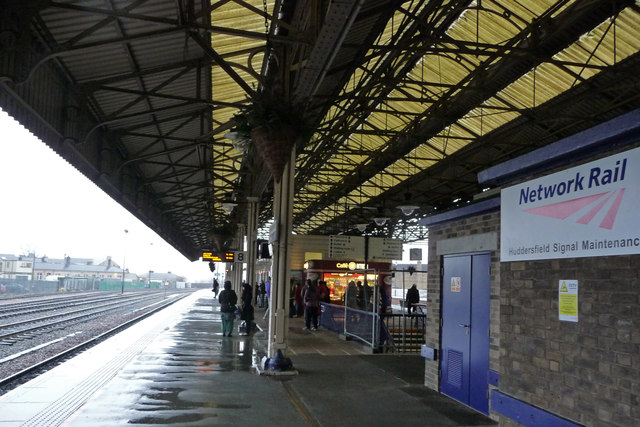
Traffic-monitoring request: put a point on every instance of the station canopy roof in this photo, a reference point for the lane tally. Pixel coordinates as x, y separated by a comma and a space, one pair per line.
405, 101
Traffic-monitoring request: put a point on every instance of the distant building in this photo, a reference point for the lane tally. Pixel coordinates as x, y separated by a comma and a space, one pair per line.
16, 267
79, 267
165, 279
28, 267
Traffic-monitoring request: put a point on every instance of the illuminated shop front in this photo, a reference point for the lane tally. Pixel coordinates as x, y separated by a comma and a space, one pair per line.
337, 275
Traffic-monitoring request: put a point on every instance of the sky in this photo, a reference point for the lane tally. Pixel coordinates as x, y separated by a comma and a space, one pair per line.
47, 206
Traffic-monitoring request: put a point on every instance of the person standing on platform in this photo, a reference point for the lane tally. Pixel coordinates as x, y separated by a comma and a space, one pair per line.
262, 292
310, 298
385, 302
247, 307
297, 300
256, 294
307, 283
323, 292
412, 299
351, 297
360, 296
216, 288
323, 296
267, 288
228, 300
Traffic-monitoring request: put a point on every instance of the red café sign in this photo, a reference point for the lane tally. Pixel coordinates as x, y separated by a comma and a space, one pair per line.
333, 265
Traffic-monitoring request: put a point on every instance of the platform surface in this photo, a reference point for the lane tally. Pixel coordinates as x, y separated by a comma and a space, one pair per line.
176, 368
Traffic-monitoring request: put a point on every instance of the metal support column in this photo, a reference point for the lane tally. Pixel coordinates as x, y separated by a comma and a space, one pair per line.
281, 239
237, 266
252, 244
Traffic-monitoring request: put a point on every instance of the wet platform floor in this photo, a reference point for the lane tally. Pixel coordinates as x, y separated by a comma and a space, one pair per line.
175, 368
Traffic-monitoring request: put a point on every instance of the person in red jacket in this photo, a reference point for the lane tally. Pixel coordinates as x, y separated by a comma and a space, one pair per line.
323, 292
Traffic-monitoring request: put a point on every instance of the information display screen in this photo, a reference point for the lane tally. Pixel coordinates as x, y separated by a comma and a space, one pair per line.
218, 257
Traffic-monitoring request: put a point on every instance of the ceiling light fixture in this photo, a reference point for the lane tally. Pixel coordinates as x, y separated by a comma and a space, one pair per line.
380, 220
361, 226
408, 209
233, 136
227, 207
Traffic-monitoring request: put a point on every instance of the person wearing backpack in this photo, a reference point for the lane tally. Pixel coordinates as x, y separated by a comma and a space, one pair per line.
227, 299
216, 288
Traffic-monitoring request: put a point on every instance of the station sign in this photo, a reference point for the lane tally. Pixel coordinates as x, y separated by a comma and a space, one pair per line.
240, 256
589, 210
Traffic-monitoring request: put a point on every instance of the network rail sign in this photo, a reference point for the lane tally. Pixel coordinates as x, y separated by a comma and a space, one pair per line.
586, 211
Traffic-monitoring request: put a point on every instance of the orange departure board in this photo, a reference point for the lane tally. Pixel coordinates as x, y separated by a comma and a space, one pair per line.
218, 257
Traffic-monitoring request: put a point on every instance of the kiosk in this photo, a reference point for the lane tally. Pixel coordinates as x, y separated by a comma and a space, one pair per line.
337, 274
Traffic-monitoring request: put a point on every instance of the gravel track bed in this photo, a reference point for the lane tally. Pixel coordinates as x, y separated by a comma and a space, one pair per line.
69, 308
69, 336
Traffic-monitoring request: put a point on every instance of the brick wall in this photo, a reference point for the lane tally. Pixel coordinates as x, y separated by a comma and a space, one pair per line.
587, 371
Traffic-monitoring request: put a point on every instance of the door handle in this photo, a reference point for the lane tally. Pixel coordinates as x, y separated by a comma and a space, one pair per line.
463, 325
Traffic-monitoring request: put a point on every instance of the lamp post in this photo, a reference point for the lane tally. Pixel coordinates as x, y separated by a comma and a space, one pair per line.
124, 255
150, 270
33, 268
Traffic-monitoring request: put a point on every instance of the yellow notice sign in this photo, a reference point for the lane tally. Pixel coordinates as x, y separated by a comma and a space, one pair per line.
456, 284
568, 300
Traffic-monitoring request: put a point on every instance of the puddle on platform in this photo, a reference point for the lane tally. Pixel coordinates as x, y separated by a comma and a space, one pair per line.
174, 419
196, 341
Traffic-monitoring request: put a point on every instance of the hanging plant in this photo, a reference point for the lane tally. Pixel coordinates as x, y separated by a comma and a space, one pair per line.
221, 237
273, 123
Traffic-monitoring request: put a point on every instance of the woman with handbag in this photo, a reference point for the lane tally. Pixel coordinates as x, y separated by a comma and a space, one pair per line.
227, 299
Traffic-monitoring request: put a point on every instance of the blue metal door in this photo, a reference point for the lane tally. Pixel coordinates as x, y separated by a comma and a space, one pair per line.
456, 319
479, 332
464, 361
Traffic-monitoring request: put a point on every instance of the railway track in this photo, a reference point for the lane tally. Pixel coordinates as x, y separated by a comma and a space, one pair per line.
29, 350
57, 319
27, 308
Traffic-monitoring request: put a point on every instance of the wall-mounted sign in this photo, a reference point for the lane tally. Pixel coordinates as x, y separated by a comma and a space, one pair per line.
273, 232
239, 256
346, 247
568, 300
585, 211
383, 248
353, 247
456, 284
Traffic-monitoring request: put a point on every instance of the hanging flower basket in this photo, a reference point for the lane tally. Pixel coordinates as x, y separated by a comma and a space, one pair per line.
274, 145
274, 123
221, 237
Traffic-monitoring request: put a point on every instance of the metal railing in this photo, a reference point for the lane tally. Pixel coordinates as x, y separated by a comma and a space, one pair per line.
383, 332
332, 317
402, 333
